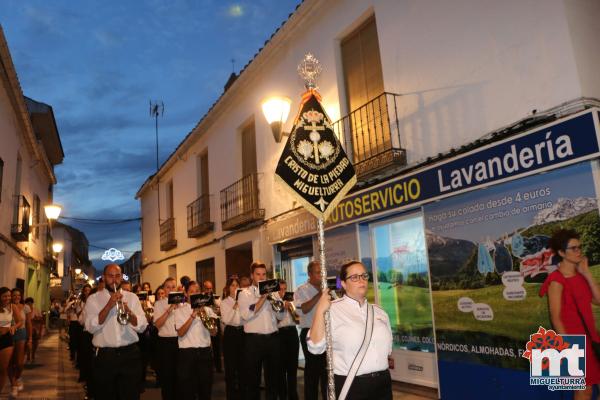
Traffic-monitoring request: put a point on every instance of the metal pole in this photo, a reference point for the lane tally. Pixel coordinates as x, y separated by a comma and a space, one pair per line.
321, 238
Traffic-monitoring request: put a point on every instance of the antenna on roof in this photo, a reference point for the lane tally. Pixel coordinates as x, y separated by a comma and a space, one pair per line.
157, 108
233, 65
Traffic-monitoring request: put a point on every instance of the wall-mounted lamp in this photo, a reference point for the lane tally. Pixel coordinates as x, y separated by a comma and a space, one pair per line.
276, 111
57, 247
91, 282
77, 271
52, 211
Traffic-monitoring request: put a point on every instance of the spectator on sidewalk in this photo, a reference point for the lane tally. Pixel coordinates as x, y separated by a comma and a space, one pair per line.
21, 337
9, 320
37, 325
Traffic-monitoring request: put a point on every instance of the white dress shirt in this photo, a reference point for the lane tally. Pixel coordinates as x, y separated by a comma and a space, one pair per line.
303, 294
168, 328
111, 333
265, 320
287, 319
229, 316
348, 321
197, 335
73, 311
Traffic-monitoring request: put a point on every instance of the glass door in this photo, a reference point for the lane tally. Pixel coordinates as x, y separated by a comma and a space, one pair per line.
401, 280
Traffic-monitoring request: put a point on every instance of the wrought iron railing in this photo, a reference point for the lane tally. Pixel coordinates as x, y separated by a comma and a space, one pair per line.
239, 203
371, 135
20, 226
198, 217
167, 234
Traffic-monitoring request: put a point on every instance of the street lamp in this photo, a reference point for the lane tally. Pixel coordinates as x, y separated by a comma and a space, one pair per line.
276, 111
52, 211
91, 282
57, 247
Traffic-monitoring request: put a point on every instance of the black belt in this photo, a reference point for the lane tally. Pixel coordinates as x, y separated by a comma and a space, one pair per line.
237, 328
376, 374
263, 334
117, 350
288, 327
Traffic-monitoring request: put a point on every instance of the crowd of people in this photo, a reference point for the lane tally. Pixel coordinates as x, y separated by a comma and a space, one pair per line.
21, 327
118, 334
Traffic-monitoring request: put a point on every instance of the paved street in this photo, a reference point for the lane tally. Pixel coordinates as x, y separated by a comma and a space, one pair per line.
54, 377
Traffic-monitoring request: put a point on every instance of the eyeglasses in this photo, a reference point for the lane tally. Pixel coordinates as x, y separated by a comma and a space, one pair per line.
356, 277
574, 248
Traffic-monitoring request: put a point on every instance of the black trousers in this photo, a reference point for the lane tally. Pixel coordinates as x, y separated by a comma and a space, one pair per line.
315, 371
376, 386
75, 330
233, 351
167, 367
194, 373
216, 348
289, 346
116, 373
84, 357
262, 350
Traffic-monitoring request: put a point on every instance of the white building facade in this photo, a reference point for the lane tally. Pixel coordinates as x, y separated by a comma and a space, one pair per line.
30, 147
406, 83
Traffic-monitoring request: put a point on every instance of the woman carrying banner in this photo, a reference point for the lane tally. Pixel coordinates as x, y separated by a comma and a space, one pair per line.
362, 338
571, 291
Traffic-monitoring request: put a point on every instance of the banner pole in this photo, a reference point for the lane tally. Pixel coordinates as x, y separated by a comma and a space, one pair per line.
330, 381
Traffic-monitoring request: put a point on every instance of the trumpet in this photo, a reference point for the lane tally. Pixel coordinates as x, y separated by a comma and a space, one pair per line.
293, 312
208, 322
149, 311
276, 304
122, 314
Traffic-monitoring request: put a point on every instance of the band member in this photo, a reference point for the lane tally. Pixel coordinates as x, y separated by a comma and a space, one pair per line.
10, 318
126, 286
245, 282
164, 320
21, 337
315, 367
262, 336
194, 372
233, 340
207, 287
73, 311
349, 316
288, 335
86, 349
117, 361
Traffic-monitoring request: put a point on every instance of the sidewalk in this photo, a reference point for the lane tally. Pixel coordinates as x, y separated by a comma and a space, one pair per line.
52, 376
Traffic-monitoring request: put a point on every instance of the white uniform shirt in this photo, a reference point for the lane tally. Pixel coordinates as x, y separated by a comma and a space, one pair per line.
168, 328
265, 320
287, 319
229, 316
348, 321
303, 294
81, 318
111, 333
197, 335
73, 311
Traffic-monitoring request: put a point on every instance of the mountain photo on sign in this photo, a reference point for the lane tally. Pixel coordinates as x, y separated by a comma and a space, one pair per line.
313, 166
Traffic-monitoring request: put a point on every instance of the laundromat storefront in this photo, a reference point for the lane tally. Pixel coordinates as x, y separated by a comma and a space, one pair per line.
458, 269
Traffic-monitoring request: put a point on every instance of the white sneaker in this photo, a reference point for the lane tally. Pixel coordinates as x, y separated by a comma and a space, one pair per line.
14, 392
20, 385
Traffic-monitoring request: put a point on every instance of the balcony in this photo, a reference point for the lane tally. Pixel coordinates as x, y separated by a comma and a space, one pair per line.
19, 230
371, 136
239, 203
198, 217
167, 235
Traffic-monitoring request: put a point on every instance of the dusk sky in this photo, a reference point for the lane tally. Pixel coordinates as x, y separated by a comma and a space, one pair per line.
98, 63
